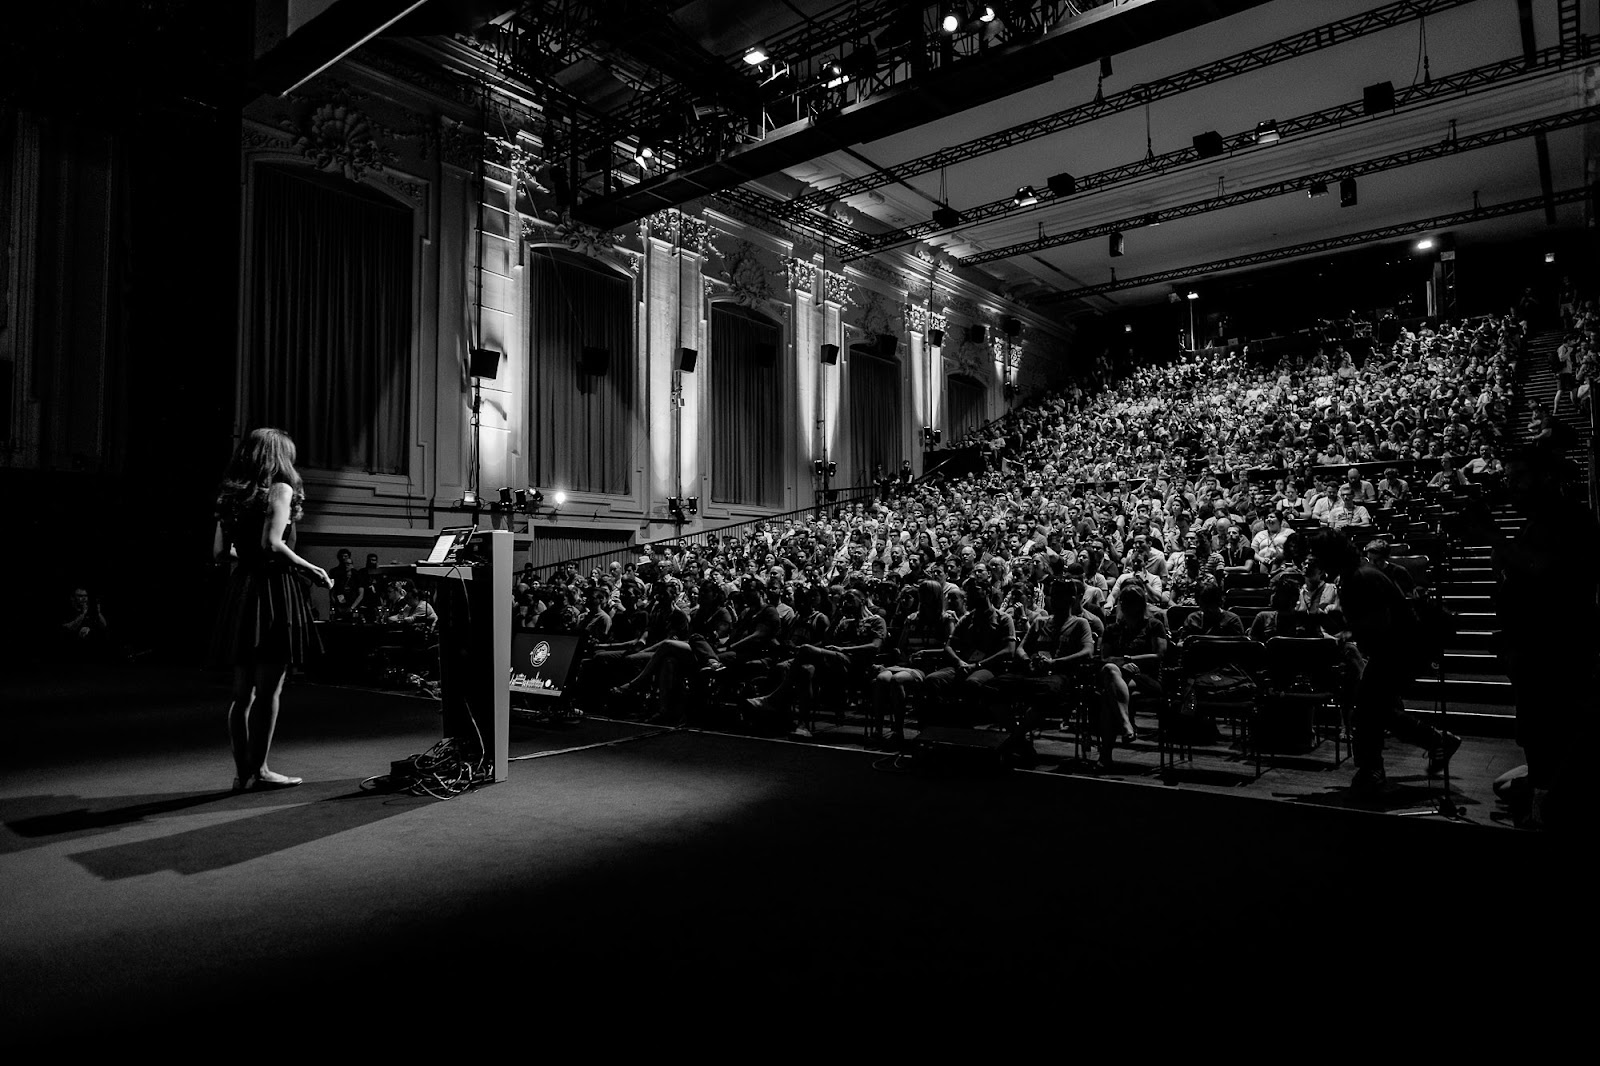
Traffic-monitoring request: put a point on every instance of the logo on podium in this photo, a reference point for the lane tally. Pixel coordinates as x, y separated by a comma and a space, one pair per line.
541, 652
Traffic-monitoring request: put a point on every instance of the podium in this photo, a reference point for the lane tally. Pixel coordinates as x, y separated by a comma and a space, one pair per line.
474, 605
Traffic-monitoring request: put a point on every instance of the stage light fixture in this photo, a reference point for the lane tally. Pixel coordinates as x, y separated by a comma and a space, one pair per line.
1193, 295
986, 14
950, 23
1347, 192
833, 468
522, 499
505, 496
1549, 257
561, 498
756, 56
675, 508
1024, 197
1426, 244
1116, 242
946, 217
832, 73
1105, 66
694, 504
644, 155
537, 498
469, 498
1062, 184
1316, 189
1127, 327
816, 467
1267, 132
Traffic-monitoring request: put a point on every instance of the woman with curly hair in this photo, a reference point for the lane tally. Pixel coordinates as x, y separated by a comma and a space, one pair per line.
266, 623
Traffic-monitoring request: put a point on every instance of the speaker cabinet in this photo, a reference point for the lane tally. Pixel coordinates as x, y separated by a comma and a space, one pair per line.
686, 359
936, 337
594, 362
1376, 99
1208, 145
830, 354
485, 363
1012, 327
1062, 185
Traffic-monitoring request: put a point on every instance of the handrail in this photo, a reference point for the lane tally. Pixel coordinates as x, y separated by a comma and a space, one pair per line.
700, 538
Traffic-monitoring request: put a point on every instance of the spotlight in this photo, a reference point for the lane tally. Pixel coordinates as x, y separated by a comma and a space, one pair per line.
950, 23
833, 468
561, 498
756, 56
1193, 295
1425, 244
986, 14
1267, 132
938, 435
1549, 257
675, 507
1024, 196
816, 467
1127, 327
832, 73
694, 505
468, 501
1116, 245
1316, 189
1347, 192
537, 498
505, 496
522, 499
644, 155
1105, 66
946, 217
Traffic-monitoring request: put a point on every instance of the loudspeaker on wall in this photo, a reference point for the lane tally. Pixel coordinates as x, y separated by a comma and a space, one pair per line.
686, 359
485, 363
830, 354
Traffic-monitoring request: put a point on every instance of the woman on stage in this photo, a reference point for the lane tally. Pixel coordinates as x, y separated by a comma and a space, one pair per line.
266, 620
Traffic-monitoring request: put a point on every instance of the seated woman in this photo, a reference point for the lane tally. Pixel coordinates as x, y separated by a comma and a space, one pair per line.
671, 661
1135, 643
1057, 642
924, 641
858, 633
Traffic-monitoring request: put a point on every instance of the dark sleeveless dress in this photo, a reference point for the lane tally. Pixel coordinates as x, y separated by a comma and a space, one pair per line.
266, 616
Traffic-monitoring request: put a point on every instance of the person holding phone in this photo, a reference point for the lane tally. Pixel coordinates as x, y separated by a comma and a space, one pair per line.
266, 624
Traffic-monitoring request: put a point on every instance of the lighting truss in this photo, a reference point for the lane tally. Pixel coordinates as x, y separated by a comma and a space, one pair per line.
1489, 75
1300, 44
1327, 244
543, 38
1564, 120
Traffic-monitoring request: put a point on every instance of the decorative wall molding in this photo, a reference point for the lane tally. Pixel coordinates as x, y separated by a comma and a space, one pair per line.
837, 289
800, 274
748, 277
936, 320
254, 138
879, 317
339, 138
414, 191
461, 146
916, 318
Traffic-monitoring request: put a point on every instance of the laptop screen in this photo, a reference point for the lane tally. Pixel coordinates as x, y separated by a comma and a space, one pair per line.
541, 662
450, 544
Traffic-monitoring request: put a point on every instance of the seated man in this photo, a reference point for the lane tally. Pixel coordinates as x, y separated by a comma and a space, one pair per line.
1393, 489
84, 635
1211, 620
1377, 553
1361, 490
855, 637
1134, 644
345, 596
415, 611
1347, 514
982, 645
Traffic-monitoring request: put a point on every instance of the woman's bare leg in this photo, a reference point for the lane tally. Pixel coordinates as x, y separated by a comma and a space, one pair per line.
244, 689
262, 722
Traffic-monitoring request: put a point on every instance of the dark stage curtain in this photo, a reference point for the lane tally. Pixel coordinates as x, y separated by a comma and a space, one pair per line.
330, 320
874, 414
582, 435
746, 409
964, 406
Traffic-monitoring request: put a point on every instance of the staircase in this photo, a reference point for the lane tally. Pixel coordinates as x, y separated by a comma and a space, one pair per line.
1536, 381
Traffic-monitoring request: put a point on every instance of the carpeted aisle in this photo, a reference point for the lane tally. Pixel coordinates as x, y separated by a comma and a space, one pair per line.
679, 868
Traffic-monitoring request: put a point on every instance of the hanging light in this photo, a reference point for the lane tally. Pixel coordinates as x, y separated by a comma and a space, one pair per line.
645, 154
1267, 132
756, 56
1024, 197
950, 23
986, 13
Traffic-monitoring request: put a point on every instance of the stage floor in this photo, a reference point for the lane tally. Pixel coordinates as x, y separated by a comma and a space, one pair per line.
654, 868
